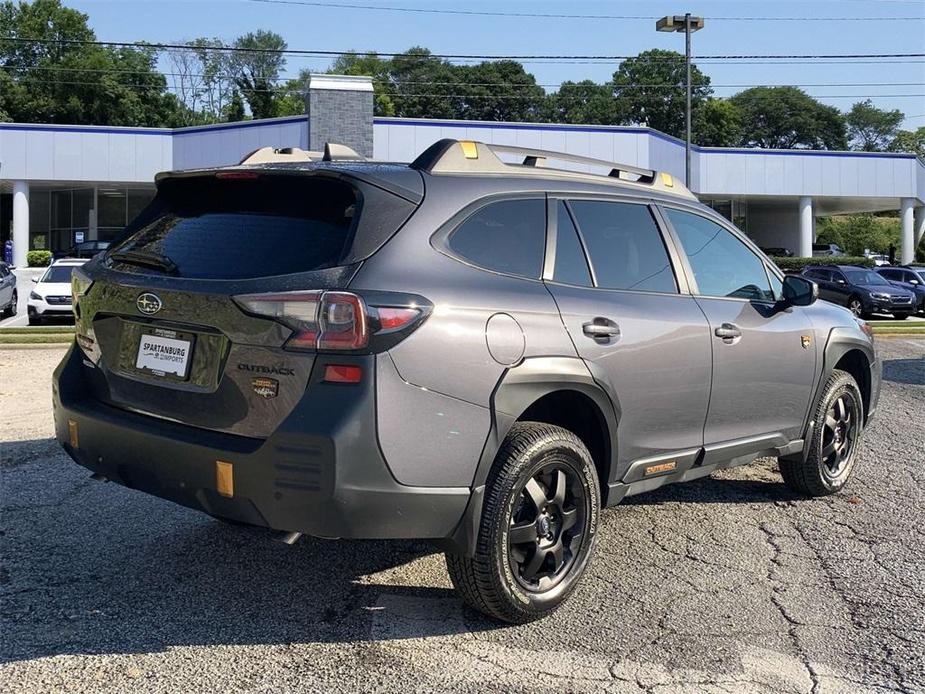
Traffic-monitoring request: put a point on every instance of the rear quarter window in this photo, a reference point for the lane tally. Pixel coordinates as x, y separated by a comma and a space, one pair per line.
508, 236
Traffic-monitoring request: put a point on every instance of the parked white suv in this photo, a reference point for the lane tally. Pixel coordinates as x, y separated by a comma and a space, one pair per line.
51, 297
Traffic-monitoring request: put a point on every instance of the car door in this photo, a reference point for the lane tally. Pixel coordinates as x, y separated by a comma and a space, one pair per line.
632, 321
7, 282
764, 355
840, 288
823, 278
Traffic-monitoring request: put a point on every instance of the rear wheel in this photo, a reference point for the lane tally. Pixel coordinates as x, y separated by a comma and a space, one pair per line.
537, 533
839, 418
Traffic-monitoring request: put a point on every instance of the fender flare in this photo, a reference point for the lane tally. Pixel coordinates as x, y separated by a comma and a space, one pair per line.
840, 341
517, 389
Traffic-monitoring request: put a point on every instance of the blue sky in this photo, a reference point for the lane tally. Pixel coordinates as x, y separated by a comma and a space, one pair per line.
329, 28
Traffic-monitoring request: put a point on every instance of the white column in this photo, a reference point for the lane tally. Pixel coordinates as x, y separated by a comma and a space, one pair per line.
806, 227
918, 223
907, 254
20, 222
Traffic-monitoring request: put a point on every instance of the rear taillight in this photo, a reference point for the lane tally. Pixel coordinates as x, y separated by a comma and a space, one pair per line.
335, 320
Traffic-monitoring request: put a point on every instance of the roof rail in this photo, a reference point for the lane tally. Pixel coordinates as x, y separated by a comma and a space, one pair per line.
269, 155
336, 152
465, 156
332, 152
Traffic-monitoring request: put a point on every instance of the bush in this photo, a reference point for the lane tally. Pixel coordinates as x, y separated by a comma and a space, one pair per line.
797, 264
38, 258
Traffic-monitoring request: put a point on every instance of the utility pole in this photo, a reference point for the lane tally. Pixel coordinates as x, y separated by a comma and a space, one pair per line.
688, 24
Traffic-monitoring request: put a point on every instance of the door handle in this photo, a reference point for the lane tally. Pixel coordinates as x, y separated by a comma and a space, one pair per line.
601, 329
728, 331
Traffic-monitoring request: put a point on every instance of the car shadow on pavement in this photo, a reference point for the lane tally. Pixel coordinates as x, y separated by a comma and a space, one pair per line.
908, 371
92, 568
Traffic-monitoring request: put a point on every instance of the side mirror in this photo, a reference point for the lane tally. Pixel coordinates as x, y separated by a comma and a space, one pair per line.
841, 282
35, 280
799, 291
914, 282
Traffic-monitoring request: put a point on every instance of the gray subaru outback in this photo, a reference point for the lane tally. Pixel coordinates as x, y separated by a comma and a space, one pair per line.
478, 348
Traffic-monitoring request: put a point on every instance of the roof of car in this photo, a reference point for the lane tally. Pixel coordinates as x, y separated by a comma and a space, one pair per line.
70, 261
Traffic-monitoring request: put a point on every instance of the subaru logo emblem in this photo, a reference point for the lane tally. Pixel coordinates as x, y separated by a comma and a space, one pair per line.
148, 303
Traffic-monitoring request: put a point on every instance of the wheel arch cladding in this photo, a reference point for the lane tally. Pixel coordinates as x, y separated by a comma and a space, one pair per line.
560, 391
856, 363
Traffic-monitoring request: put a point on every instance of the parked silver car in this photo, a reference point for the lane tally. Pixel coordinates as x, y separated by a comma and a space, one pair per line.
463, 349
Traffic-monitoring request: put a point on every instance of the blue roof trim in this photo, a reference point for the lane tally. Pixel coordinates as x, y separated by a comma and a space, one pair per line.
96, 129
263, 122
639, 130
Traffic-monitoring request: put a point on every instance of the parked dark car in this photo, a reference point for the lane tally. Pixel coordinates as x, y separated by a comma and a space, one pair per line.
827, 249
862, 290
778, 252
320, 347
8, 295
909, 278
87, 249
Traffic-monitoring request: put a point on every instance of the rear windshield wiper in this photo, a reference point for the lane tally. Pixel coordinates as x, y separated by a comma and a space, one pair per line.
145, 259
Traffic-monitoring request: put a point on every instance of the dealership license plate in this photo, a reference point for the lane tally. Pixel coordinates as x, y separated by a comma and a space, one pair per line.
163, 354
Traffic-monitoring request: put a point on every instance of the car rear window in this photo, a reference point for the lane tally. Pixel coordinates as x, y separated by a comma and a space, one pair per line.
239, 228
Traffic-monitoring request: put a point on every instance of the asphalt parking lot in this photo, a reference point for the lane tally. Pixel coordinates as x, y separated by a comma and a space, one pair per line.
728, 584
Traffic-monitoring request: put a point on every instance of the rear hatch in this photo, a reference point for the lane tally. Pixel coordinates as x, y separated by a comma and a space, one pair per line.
202, 310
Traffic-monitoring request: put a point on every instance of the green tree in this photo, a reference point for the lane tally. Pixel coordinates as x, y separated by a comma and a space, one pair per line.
650, 90
256, 67
788, 118
425, 86
910, 141
55, 80
582, 102
234, 111
857, 233
371, 65
872, 129
498, 90
717, 123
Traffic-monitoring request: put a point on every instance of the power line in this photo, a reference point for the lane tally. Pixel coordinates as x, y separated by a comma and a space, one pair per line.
470, 84
298, 51
408, 95
550, 15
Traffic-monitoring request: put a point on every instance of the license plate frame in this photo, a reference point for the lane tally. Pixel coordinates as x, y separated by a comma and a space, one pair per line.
166, 338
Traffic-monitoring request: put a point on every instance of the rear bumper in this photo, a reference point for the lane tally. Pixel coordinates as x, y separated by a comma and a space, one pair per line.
320, 473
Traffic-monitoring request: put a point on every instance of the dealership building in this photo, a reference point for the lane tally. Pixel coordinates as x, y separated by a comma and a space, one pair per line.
61, 184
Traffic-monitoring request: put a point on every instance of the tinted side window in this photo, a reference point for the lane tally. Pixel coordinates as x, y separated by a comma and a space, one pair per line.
625, 246
507, 236
722, 264
571, 264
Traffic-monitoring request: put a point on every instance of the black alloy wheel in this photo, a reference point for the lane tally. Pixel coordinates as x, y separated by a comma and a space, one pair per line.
547, 527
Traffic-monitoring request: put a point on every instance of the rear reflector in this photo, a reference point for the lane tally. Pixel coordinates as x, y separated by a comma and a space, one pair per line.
74, 439
224, 478
342, 373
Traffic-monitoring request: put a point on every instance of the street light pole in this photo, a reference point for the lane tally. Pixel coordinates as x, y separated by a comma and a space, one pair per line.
688, 24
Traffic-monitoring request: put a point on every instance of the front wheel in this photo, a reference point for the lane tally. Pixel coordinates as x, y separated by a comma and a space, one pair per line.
856, 307
833, 447
35, 319
900, 316
539, 520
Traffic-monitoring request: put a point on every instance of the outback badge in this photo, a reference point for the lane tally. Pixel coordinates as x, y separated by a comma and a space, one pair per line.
265, 387
806, 341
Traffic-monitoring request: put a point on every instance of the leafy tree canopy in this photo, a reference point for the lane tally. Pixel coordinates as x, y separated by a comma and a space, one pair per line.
650, 90
910, 141
788, 118
76, 83
582, 102
872, 129
717, 123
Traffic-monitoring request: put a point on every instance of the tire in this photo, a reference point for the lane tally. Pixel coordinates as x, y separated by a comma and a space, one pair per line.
835, 440
856, 306
14, 305
534, 541
900, 316
35, 319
